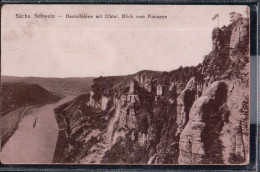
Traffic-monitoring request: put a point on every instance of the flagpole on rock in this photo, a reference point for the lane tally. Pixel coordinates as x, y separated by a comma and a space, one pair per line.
216, 16
218, 20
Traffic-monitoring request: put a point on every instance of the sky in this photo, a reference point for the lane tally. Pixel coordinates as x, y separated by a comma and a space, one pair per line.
65, 47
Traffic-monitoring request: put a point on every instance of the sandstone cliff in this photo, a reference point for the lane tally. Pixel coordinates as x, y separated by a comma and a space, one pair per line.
192, 115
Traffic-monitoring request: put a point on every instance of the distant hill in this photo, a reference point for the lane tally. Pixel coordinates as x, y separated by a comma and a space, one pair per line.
20, 94
73, 86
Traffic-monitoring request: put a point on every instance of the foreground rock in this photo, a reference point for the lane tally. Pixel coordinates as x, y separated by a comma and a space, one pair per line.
201, 134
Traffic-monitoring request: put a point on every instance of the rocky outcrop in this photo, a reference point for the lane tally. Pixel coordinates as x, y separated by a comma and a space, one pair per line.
148, 84
172, 87
132, 87
92, 101
125, 104
216, 39
100, 104
184, 103
239, 32
235, 133
204, 126
159, 90
239, 35
104, 101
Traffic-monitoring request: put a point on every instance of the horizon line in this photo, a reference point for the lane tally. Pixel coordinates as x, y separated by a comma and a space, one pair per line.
7, 75
58, 77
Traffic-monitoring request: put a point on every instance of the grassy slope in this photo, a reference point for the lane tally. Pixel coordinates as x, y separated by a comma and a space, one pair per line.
20, 94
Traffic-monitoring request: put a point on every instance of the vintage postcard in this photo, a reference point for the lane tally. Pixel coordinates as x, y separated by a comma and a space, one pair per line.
125, 84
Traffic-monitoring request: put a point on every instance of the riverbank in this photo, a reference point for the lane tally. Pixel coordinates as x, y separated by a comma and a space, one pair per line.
34, 145
10, 121
62, 144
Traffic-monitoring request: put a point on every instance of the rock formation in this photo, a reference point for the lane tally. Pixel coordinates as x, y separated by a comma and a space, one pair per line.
192, 115
184, 103
204, 126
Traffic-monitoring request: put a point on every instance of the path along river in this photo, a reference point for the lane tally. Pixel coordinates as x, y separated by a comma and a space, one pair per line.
34, 145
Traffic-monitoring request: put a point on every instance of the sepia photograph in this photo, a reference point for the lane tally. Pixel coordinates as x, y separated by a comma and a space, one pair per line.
125, 84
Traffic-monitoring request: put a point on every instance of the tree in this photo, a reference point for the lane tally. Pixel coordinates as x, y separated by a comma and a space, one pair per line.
244, 110
247, 12
234, 16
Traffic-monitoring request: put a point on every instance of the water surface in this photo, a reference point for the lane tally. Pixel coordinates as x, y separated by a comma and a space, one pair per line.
34, 145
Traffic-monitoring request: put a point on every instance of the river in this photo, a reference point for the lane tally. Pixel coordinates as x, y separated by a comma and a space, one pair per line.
34, 145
